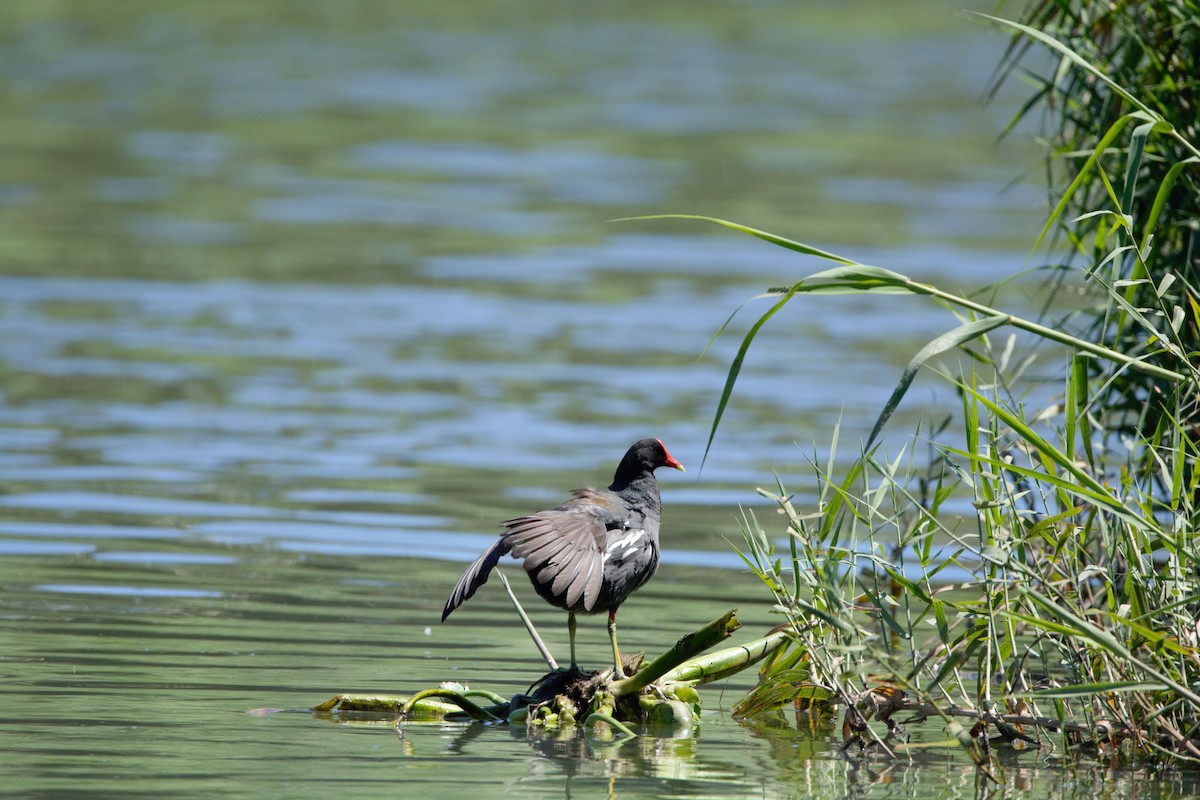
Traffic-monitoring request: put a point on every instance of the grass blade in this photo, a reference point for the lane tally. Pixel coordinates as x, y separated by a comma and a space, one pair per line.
947, 341
799, 247
1078, 60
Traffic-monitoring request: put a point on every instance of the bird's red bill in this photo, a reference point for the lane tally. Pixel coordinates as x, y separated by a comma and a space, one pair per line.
671, 462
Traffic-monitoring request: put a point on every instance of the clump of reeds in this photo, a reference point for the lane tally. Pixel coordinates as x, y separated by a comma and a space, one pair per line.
1070, 531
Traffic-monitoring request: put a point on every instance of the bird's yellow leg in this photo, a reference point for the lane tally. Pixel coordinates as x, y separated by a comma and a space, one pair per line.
618, 671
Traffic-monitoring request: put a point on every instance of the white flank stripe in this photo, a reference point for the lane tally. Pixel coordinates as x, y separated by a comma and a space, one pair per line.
629, 542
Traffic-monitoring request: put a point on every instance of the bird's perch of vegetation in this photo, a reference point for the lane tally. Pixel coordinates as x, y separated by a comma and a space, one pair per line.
660, 691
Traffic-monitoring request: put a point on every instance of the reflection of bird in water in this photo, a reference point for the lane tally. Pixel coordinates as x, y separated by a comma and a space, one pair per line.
625, 767
574, 761
588, 554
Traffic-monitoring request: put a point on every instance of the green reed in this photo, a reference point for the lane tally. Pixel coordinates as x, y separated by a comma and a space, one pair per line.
1076, 525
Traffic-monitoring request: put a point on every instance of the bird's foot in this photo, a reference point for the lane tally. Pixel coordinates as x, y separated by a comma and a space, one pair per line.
628, 665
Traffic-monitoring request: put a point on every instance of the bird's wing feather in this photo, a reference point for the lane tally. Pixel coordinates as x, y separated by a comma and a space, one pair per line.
585, 585
567, 570
564, 546
475, 576
593, 582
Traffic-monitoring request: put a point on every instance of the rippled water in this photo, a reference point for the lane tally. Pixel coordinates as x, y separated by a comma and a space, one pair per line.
298, 300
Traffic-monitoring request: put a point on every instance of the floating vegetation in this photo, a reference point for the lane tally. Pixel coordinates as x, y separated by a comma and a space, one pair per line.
659, 693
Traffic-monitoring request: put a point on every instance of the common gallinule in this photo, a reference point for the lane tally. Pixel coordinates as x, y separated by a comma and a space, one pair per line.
588, 554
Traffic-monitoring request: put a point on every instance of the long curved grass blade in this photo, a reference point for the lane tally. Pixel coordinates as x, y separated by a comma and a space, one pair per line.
1137, 148
856, 277
852, 276
735, 368
1081, 627
1109, 136
799, 247
729, 319
848, 278
1160, 199
1155, 639
947, 341
1076, 59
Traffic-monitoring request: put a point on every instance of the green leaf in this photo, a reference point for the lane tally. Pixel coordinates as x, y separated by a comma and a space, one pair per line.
841, 624
1069, 193
1080, 626
1093, 689
1160, 199
1137, 147
1083, 485
889, 619
939, 614
735, 368
1043, 624
785, 686
1156, 639
947, 341
910, 585
1079, 413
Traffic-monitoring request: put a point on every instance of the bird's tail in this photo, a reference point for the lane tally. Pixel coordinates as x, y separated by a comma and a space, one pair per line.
475, 576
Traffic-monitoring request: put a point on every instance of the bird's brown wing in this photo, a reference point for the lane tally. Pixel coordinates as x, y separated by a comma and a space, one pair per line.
563, 548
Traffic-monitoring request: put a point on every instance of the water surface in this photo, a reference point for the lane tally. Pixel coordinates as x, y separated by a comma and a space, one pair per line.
297, 301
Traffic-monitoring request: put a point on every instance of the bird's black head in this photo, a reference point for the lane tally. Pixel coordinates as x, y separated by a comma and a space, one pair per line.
646, 455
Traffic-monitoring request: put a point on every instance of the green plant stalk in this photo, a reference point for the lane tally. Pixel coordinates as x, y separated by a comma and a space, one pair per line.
423, 709
617, 726
724, 663
878, 279
475, 712
693, 644
1047, 332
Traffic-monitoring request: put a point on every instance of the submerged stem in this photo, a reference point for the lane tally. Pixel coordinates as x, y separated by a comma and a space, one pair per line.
537, 640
